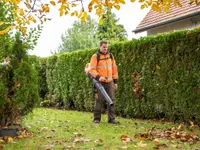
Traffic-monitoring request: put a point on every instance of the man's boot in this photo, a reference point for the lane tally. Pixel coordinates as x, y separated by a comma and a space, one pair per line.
113, 121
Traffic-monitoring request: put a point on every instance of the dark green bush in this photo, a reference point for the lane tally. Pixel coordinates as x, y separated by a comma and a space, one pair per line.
18, 84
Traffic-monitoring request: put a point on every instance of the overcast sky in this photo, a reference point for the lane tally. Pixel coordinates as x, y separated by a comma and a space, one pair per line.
130, 16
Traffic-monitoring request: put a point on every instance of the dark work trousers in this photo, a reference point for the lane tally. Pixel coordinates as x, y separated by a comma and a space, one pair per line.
99, 102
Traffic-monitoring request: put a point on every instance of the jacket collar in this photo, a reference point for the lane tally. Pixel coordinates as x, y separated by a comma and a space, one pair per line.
102, 53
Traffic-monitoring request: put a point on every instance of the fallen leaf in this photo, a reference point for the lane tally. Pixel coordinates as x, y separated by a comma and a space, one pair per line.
156, 142
140, 144
81, 140
180, 127
123, 137
2, 141
98, 140
49, 146
171, 133
48, 137
124, 147
10, 139
77, 134
20, 137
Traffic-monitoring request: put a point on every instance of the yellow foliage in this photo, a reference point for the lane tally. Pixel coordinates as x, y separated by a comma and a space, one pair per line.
72, 14
143, 6
149, 3
117, 7
100, 21
110, 5
122, 1
21, 10
2, 32
61, 13
155, 7
53, 3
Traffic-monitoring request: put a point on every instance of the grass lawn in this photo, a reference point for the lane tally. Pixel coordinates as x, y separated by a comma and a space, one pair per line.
61, 129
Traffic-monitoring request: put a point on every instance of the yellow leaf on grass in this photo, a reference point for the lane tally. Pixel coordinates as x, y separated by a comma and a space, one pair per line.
53, 3
10, 139
140, 144
2, 141
20, 137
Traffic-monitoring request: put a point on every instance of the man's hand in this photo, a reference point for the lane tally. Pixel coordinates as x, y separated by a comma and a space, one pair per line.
116, 86
101, 79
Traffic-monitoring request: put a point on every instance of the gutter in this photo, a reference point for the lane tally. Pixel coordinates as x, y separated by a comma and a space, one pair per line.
166, 22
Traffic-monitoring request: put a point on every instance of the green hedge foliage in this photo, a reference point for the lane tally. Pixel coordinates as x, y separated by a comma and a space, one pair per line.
169, 70
18, 83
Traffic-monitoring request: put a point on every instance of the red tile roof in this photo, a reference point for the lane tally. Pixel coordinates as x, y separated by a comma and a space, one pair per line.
155, 19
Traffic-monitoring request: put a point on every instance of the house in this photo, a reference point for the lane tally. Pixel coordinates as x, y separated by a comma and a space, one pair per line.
178, 18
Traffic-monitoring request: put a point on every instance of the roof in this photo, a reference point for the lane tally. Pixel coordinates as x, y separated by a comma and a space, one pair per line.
154, 19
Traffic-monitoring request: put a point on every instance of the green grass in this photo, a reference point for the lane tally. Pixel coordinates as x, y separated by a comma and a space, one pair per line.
58, 129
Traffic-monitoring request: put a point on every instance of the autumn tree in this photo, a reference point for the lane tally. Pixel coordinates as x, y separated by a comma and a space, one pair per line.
26, 12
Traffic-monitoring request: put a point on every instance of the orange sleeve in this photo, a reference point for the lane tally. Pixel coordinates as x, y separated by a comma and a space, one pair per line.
93, 67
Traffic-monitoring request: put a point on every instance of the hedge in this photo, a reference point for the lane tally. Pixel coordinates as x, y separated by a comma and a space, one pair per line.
168, 68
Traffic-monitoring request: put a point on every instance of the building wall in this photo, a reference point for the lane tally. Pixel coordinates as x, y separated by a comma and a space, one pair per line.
180, 25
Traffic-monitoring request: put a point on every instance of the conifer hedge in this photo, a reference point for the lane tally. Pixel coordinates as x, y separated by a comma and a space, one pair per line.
18, 82
168, 66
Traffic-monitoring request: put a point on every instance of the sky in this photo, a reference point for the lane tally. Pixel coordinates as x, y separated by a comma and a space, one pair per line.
130, 16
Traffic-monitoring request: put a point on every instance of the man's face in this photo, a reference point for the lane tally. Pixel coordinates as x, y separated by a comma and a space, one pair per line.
104, 48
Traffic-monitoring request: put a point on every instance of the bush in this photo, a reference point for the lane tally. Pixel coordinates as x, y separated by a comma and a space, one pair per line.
18, 84
167, 82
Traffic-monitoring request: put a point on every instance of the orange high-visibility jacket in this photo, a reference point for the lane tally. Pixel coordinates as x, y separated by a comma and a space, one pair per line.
106, 67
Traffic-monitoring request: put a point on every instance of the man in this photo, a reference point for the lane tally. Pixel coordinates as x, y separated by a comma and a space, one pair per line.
103, 68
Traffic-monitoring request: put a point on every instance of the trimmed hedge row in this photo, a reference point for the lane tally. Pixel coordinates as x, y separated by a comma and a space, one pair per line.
168, 68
